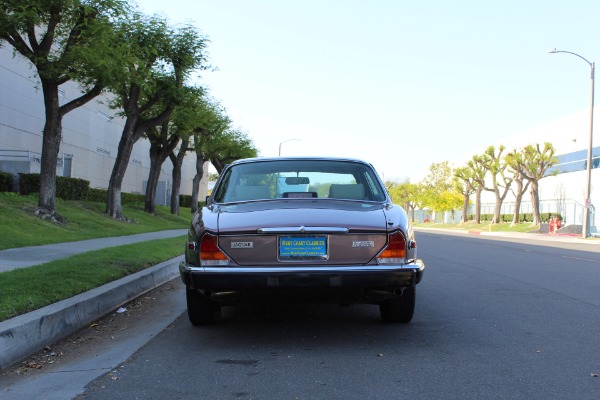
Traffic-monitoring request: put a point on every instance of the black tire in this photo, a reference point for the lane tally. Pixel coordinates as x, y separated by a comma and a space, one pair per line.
201, 311
399, 309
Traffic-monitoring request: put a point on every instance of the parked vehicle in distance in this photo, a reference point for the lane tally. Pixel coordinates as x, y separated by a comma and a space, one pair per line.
300, 229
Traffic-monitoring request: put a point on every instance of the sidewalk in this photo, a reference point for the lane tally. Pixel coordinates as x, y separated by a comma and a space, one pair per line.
26, 334
27, 256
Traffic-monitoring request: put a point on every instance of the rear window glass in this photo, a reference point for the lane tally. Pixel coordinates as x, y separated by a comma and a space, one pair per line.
299, 179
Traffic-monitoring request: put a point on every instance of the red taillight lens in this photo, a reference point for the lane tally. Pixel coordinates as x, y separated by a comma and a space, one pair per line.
395, 250
209, 251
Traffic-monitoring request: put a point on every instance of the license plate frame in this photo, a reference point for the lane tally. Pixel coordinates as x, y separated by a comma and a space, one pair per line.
300, 248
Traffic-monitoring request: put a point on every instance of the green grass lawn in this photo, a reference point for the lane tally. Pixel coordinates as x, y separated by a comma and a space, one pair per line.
27, 289
486, 226
31, 288
84, 220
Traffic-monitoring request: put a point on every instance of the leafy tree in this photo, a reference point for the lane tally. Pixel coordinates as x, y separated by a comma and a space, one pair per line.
450, 200
436, 182
404, 194
160, 59
162, 143
231, 145
493, 162
478, 173
186, 120
466, 185
513, 159
439, 177
65, 40
167, 137
533, 164
211, 122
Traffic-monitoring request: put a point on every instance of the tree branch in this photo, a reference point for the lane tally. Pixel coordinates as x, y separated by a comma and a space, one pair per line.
75, 34
16, 41
32, 39
55, 16
86, 97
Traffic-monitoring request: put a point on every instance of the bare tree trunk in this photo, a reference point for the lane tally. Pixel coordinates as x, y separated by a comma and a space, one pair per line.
158, 155
535, 202
153, 175
134, 128
176, 176
478, 205
50, 147
465, 208
497, 206
196, 180
114, 207
518, 199
177, 161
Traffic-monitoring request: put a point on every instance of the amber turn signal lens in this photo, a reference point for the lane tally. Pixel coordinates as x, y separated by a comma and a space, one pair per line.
209, 249
396, 247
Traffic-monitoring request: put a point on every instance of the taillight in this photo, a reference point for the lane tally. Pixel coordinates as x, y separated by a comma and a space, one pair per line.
210, 253
395, 251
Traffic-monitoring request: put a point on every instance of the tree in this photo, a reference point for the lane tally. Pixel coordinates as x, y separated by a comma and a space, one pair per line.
65, 40
167, 137
160, 60
231, 145
534, 163
466, 185
177, 160
478, 173
436, 182
186, 121
494, 163
211, 122
162, 143
450, 200
513, 159
405, 194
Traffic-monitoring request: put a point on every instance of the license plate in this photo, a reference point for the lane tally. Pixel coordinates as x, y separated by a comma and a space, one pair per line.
303, 247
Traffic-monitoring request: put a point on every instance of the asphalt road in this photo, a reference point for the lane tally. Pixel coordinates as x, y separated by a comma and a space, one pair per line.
495, 319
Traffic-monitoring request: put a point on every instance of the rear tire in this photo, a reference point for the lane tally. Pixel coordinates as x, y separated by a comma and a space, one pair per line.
201, 311
399, 309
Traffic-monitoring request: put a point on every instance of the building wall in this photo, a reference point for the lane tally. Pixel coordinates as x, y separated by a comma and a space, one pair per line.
90, 138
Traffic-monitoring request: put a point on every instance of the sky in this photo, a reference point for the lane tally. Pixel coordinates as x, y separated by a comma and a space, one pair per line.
401, 84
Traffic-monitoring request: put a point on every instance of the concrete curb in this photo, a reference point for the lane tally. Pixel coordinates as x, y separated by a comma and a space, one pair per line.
26, 334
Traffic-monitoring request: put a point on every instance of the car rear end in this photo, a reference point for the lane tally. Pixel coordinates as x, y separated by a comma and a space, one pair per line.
285, 245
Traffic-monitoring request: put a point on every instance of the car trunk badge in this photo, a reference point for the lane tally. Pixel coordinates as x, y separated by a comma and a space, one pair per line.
242, 245
363, 243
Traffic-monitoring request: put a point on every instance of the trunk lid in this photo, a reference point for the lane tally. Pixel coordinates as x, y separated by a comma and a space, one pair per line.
302, 232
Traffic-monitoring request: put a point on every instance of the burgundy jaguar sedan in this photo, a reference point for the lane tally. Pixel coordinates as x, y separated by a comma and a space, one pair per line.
300, 230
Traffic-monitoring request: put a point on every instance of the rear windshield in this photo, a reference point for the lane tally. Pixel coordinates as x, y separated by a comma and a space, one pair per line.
299, 179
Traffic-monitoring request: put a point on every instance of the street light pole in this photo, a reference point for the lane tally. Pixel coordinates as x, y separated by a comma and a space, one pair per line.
588, 204
289, 140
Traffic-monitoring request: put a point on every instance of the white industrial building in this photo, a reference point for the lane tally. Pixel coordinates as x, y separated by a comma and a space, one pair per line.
90, 136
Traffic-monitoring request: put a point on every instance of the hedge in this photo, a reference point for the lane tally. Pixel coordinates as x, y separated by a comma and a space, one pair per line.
77, 189
6, 180
66, 188
101, 195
